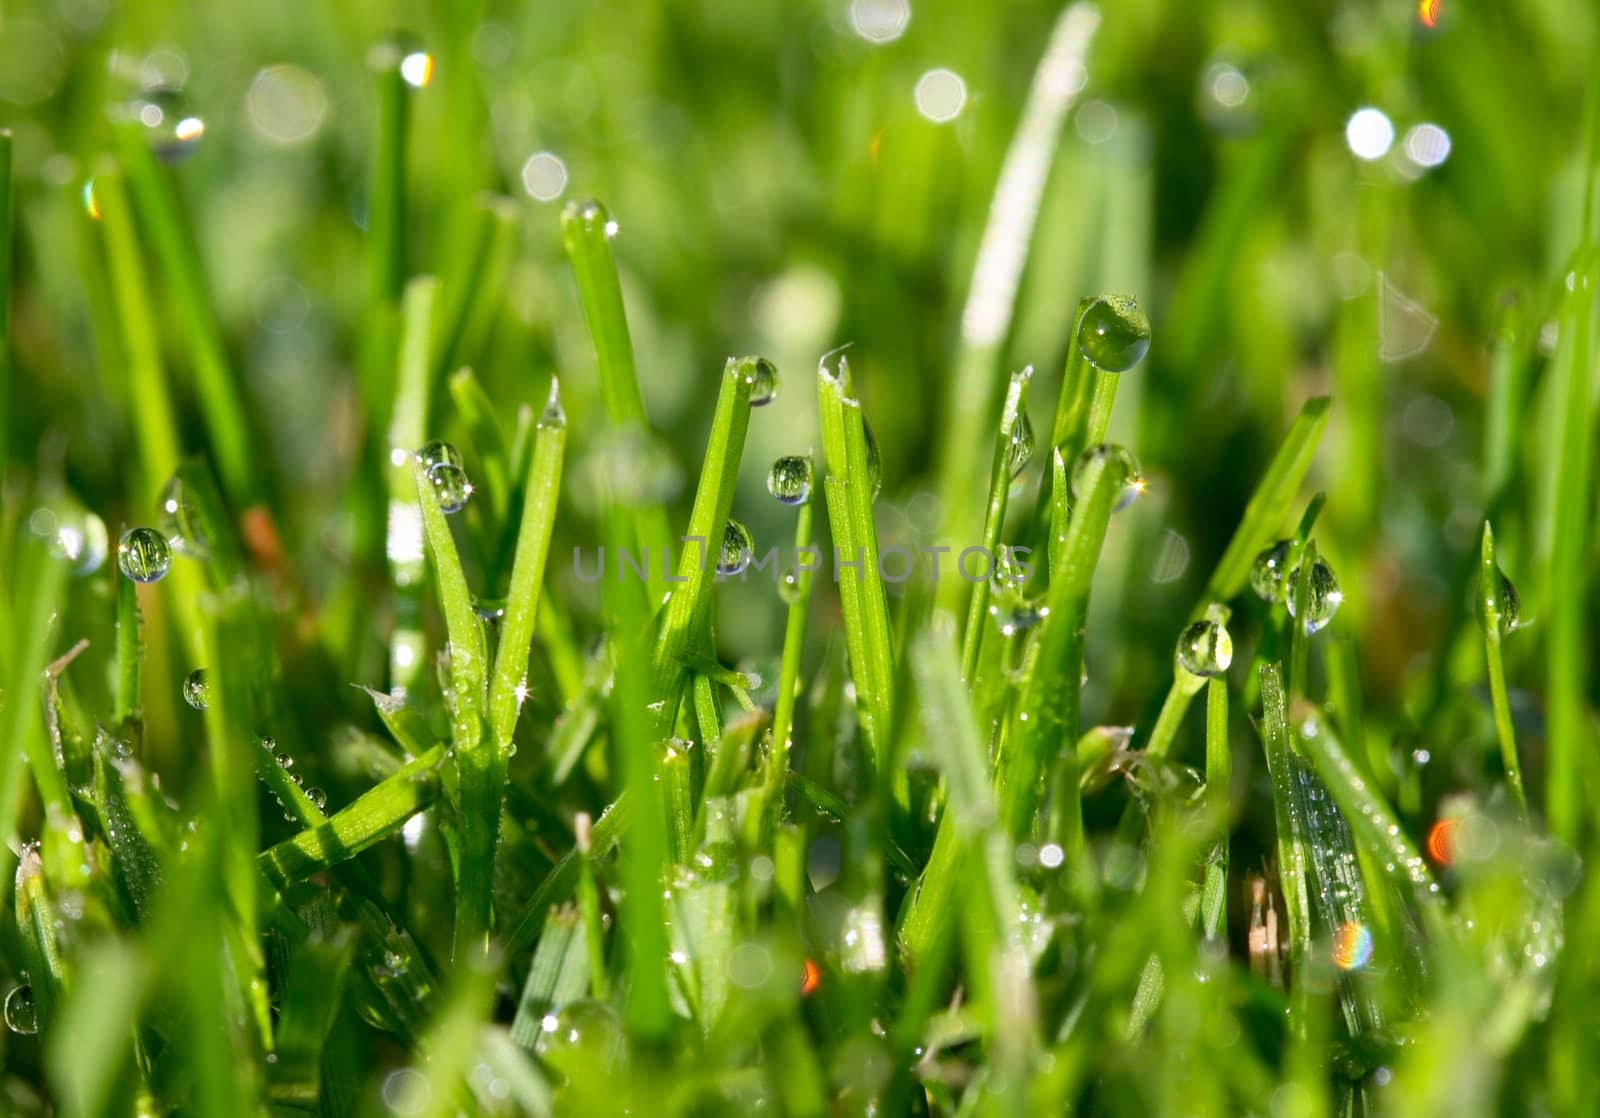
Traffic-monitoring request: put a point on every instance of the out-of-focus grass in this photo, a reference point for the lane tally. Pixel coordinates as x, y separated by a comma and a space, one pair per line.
697, 842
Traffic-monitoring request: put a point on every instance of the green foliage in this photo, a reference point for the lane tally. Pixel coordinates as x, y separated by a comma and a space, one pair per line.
526, 774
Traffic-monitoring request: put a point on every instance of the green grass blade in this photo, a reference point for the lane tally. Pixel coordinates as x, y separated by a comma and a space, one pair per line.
1219, 777
480, 769
36, 929
848, 489
130, 650
474, 295
373, 816
586, 232
386, 234
1000, 472
687, 618
541, 493
408, 430
1002, 253
1293, 862
312, 990
1489, 598
155, 423
216, 384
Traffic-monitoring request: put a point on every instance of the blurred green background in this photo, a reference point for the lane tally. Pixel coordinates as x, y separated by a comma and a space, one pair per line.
782, 185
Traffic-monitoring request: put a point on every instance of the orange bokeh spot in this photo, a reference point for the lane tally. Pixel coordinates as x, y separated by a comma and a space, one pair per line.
1428, 13
1442, 841
811, 980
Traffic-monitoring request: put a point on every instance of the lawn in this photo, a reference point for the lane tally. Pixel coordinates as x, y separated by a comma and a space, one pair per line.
865, 557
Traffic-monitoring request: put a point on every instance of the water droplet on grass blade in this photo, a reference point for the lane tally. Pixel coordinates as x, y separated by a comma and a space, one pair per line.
789, 587
762, 377
197, 689
1323, 594
74, 535
1508, 603
143, 555
1205, 648
318, 797
583, 1039
178, 514
554, 415
1111, 455
1113, 333
789, 480
451, 485
174, 131
1020, 450
21, 1017
437, 452
874, 460
490, 610
737, 548
1268, 572
1016, 614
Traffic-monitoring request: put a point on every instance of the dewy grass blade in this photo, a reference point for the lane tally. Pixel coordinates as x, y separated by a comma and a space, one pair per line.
477, 414
374, 815
1270, 502
991, 299
541, 493
794, 637
130, 651
848, 488
687, 618
1048, 709
36, 927
480, 769
586, 232
1293, 863
408, 430
1494, 624
1013, 421
216, 385
1219, 776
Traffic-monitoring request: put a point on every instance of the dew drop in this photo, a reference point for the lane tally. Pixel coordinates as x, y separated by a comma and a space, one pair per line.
1267, 573
1109, 454
197, 689
1508, 603
762, 377
789, 587
21, 1017
318, 797
1113, 333
737, 548
1017, 615
451, 485
1205, 648
584, 1038
143, 555
74, 535
437, 452
1323, 595
178, 515
554, 415
173, 130
1020, 450
874, 460
490, 610
789, 480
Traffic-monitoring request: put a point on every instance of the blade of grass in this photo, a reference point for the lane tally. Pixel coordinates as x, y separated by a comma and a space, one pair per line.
686, 621
541, 493
1293, 864
1012, 416
586, 232
987, 318
130, 650
1489, 596
373, 816
1219, 776
36, 927
146, 377
408, 430
848, 489
480, 766
474, 296
216, 384
386, 234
